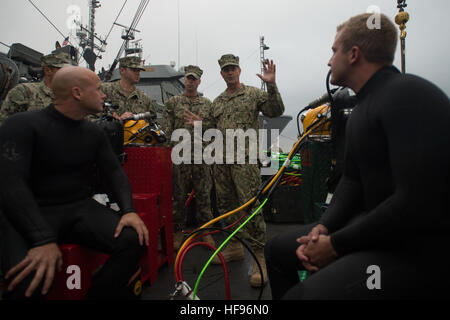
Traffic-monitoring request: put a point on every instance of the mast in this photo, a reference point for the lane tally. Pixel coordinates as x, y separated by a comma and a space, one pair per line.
262, 48
127, 35
93, 4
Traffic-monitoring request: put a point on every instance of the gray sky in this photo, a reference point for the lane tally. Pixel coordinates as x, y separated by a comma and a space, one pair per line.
299, 33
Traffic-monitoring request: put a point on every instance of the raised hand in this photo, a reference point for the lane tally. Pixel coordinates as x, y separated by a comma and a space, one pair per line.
269, 72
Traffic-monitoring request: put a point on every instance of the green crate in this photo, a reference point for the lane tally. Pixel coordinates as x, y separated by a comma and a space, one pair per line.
278, 159
316, 168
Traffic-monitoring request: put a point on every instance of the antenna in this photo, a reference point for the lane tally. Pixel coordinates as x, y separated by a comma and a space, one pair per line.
262, 47
137, 49
87, 37
179, 65
127, 36
94, 4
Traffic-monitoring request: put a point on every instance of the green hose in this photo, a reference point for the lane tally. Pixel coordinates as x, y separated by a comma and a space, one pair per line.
194, 293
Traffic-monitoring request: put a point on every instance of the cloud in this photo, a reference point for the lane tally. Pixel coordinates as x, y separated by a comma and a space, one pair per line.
299, 34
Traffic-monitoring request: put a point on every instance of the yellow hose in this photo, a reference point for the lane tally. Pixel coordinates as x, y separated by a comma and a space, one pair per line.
225, 215
244, 205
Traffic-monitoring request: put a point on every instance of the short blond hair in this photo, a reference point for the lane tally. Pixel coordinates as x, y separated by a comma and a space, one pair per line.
377, 44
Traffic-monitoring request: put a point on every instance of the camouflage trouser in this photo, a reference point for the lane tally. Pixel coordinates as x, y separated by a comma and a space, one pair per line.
182, 186
235, 185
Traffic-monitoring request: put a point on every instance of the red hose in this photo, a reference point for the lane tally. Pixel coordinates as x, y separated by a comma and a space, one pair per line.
189, 199
179, 267
179, 270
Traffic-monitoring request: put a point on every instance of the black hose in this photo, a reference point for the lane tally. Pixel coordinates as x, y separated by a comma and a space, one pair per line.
330, 94
327, 84
244, 244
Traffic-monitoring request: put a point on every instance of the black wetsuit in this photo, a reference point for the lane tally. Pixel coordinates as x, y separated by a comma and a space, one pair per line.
47, 164
390, 207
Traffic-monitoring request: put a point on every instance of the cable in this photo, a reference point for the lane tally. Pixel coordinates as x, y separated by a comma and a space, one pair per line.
189, 198
294, 150
238, 239
268, 186
112, 26
298, 121
330, 95
271, 186
223, 244
47, 19
222, 260
327, 84
211, 233
135, 21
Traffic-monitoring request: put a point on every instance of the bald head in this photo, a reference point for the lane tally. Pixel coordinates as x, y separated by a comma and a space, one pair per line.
77, 90
68, 78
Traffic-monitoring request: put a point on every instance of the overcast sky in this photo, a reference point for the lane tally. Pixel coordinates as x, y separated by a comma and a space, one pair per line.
299, 33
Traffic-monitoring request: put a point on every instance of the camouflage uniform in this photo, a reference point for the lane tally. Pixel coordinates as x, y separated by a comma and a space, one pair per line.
238, 183
135, 102
32, 96
184, 174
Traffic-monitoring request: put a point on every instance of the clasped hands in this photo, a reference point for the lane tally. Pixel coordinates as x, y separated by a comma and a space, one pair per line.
315, 250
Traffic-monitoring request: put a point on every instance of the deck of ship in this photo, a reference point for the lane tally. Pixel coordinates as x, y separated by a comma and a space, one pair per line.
212, 285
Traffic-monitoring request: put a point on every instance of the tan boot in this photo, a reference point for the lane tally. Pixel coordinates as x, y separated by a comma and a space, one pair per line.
255, 278
178, 238
233, 251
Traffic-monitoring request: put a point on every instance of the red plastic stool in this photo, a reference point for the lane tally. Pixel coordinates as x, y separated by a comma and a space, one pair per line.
166, 224
149, 170
160, 233
85, 261
147, 204
76, 259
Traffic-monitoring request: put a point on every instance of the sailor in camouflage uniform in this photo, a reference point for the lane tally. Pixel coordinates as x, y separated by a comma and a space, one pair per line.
238, 108
186, 176
34, 95
124, 92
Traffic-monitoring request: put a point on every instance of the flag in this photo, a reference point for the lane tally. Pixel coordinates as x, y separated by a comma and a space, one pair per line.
66, 41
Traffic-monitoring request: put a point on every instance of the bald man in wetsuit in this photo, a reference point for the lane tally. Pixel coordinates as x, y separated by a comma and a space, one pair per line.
386, 232
47, 160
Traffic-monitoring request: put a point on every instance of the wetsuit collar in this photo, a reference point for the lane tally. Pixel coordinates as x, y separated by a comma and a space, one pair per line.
375, 79
58, 115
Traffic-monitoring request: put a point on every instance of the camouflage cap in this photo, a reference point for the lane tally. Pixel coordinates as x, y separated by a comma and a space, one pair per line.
57, 60
131, 62
228, 59
193, 71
